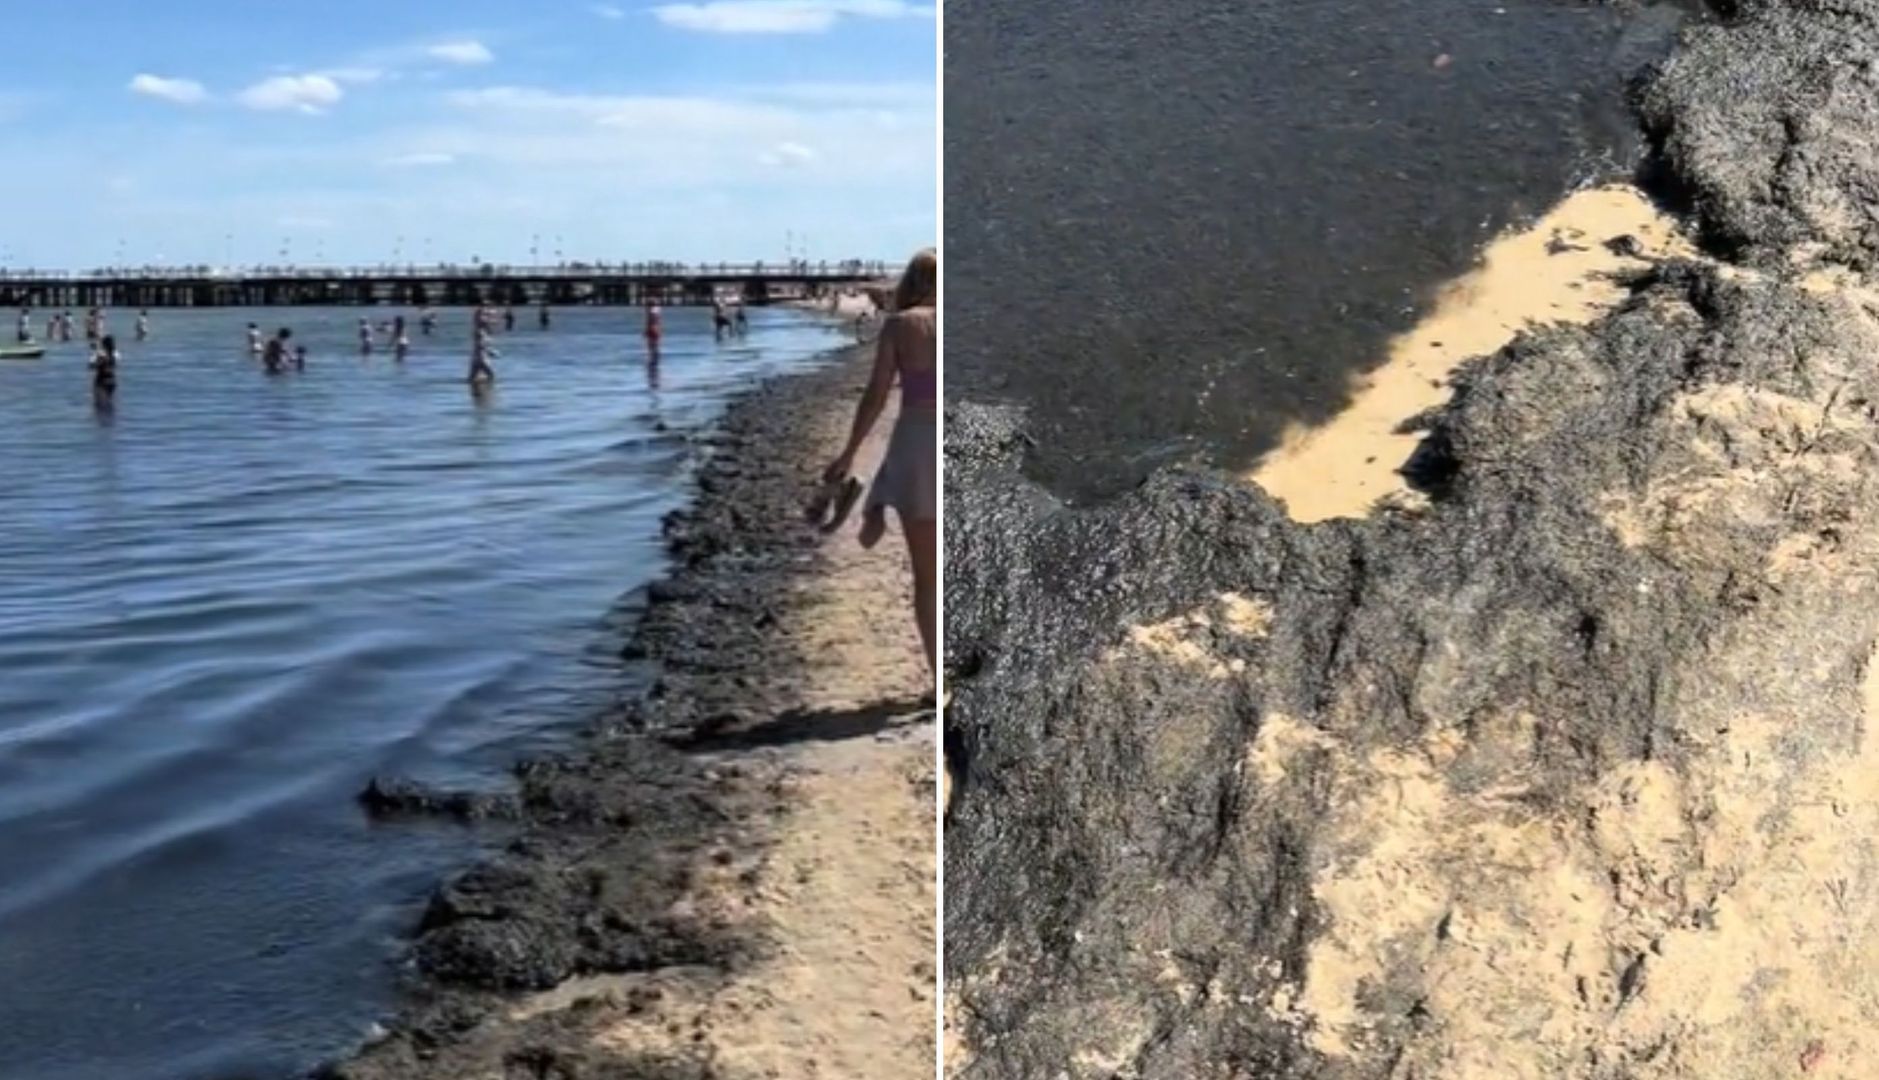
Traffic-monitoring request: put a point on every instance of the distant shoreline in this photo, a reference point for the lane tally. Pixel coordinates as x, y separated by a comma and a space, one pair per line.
671, 285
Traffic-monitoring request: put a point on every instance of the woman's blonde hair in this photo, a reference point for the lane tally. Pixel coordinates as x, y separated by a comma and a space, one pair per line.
919, 284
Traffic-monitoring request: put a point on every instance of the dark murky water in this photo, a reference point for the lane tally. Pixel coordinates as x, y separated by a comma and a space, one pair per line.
227, 605
1175, 228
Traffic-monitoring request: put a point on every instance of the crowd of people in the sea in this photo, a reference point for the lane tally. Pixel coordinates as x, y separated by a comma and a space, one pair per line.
59, 326
278, 354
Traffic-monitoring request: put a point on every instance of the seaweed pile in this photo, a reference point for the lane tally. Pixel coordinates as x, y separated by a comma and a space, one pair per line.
1568, 770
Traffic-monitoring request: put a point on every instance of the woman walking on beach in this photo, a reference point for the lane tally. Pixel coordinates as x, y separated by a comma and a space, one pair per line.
908, 480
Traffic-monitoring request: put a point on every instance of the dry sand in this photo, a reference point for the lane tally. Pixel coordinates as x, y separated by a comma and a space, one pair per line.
1557, 270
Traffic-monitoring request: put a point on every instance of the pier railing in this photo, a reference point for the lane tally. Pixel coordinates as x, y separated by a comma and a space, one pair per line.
852, 269
437, 283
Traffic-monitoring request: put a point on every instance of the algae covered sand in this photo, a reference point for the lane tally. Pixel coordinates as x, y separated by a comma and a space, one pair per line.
1564, 769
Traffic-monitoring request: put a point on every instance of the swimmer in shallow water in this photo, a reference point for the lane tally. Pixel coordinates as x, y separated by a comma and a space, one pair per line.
401, 344
300, 358
254, 340
143, 325
365, 337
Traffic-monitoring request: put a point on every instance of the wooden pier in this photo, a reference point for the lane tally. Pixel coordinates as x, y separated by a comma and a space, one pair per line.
670, 284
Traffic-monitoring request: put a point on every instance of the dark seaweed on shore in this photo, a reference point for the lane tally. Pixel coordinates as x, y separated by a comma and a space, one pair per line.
1646, 568
605, 842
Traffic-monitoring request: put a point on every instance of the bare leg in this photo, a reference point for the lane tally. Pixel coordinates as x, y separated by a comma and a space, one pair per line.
923, 552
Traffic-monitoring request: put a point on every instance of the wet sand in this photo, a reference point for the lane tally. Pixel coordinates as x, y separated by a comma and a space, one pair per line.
758, 829
1560, 269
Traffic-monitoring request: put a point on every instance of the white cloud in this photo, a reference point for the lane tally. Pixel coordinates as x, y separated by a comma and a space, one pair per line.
420, 160
527, 159
304, 93
869, 95
608, 11
788, 153
461, 52
354, 75
179, 91
781, 16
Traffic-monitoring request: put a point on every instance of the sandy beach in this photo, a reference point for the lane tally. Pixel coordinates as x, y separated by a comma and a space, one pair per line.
736, 878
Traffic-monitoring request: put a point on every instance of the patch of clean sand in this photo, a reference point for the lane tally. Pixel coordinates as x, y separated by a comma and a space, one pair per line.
1558, 270
1195, 639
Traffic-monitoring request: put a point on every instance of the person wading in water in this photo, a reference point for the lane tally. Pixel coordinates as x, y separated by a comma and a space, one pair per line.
480, 353
654, 330
104, 372
274, 357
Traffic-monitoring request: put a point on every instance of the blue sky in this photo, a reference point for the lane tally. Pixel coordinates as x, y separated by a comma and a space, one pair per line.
359, 130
